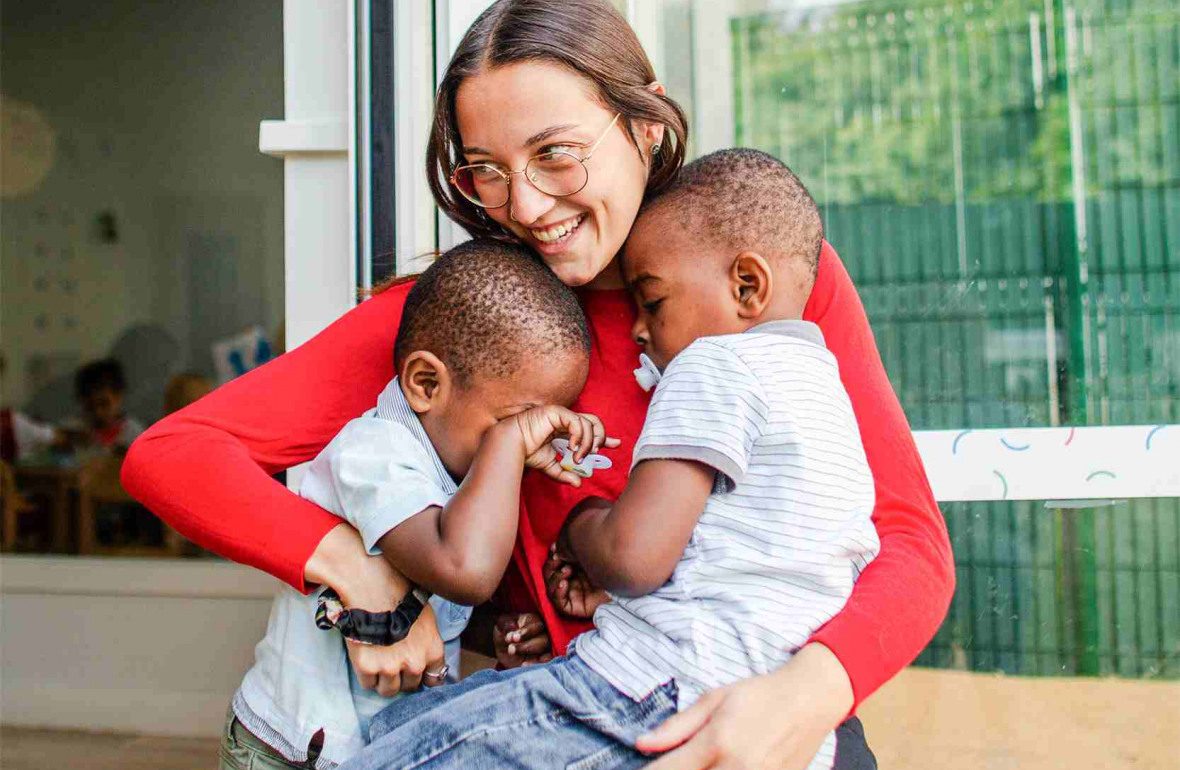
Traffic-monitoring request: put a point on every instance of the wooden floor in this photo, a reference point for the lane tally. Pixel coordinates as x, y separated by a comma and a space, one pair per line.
25, 749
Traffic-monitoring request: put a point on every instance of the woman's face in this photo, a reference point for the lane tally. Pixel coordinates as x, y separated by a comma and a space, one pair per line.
509, 114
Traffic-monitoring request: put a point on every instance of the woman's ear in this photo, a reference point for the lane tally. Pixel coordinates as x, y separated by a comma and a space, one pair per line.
652, 133
425, 381
752, 282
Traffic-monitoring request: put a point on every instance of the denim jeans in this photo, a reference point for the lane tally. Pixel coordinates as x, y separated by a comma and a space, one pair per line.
556, 715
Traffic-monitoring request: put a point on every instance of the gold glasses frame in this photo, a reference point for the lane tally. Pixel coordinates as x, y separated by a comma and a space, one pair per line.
506, 173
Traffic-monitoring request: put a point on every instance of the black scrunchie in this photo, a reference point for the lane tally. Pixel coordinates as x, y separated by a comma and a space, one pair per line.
377, 628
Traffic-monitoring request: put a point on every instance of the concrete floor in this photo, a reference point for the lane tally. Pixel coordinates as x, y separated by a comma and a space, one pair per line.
922, 720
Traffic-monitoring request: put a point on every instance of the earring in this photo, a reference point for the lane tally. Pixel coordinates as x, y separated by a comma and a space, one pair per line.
511, 214
655, 150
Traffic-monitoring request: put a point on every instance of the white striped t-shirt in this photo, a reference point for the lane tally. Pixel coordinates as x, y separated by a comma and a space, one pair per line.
784, 534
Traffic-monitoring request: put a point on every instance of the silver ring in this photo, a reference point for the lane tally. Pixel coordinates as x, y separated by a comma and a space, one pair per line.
440, 674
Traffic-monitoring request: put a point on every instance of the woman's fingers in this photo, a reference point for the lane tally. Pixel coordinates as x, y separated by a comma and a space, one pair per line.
680, 727
389, 685
366, 681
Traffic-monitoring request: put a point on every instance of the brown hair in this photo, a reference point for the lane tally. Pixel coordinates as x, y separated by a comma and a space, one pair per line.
588, 37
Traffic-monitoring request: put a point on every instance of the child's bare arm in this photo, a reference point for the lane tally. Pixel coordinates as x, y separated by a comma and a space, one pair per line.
631, 548
460, 551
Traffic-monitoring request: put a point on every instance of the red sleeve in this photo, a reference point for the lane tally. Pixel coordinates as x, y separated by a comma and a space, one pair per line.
902, 597
206, 469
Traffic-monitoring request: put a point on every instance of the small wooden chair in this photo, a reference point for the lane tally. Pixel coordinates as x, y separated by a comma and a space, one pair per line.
12, 505
99, 483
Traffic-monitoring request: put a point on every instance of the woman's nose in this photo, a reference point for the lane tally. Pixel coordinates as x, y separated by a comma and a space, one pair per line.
528, 204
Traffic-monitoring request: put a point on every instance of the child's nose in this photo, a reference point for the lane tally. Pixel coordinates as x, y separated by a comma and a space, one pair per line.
639, 332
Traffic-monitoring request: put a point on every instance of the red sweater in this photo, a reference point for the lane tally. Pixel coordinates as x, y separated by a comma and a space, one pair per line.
205, 470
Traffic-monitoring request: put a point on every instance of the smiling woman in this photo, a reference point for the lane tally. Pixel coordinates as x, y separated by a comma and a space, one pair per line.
530, 79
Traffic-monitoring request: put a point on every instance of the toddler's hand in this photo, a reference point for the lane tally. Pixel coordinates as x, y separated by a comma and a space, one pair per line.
521, 640
539, 425
569, 587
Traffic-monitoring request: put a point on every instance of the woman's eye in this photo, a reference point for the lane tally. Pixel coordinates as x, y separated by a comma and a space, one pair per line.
555, 148
484, 172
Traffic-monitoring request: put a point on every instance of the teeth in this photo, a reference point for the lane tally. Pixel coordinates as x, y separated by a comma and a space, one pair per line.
550, 234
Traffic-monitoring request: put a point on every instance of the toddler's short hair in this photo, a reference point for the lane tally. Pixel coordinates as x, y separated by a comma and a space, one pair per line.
104, 374
745, 199
485, 305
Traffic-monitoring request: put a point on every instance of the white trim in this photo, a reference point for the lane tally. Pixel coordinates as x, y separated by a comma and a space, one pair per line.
413, 56
1063, 463
281, 138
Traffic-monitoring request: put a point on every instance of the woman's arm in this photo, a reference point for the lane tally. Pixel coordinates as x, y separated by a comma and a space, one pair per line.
206, 469
900, 600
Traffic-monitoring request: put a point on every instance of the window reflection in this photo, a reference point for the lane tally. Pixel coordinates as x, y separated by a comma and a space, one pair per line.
142, 234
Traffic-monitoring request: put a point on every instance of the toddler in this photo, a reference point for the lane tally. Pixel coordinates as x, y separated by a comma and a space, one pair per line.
490, 347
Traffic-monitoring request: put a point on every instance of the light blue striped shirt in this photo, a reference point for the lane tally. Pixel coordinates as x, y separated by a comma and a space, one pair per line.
380, 470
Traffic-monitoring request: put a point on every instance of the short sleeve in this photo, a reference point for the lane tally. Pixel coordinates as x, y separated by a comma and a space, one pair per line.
708, 407
374, 474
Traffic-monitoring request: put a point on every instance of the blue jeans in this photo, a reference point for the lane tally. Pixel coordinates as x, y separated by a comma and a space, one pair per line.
556, 715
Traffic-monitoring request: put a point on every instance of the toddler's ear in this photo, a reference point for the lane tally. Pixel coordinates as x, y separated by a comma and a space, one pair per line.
753, 284
425, 381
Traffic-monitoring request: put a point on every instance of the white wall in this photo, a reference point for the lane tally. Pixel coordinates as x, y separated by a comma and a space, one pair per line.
131, 645
154, 107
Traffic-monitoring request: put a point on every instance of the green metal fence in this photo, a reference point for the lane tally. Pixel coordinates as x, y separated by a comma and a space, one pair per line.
1003, 180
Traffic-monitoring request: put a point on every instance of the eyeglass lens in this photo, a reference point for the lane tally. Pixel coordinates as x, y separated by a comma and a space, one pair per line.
553, 173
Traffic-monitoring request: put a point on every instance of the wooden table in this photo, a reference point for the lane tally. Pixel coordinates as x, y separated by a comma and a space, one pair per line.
60, 484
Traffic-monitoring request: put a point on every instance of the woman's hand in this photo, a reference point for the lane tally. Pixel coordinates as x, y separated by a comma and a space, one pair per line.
521, 640
399, 667
569, 588
370, 583
773, 721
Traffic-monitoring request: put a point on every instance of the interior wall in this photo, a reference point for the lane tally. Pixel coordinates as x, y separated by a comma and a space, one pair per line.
157, 214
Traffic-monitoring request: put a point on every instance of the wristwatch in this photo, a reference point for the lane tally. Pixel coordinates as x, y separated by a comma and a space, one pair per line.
377, 628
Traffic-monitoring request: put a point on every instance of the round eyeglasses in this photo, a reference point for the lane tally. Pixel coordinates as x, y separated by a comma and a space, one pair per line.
557, 173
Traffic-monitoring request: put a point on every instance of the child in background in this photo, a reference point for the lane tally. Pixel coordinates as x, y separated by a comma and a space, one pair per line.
100, 388
490, 346
746, 517
21, 435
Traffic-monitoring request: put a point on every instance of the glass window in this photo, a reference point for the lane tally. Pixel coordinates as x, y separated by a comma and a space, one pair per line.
143, 230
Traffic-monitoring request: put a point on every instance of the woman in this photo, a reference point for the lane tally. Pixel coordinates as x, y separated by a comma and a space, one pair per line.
534, 85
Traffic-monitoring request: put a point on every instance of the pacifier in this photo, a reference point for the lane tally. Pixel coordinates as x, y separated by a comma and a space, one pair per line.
589, 463
648, 374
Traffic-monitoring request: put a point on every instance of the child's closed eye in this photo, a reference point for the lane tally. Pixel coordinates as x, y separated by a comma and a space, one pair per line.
651, 306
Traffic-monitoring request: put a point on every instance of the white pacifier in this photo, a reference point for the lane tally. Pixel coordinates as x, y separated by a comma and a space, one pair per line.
586, 468
648, 374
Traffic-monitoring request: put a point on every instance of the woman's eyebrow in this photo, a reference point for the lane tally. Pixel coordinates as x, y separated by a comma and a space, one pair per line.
540, 136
